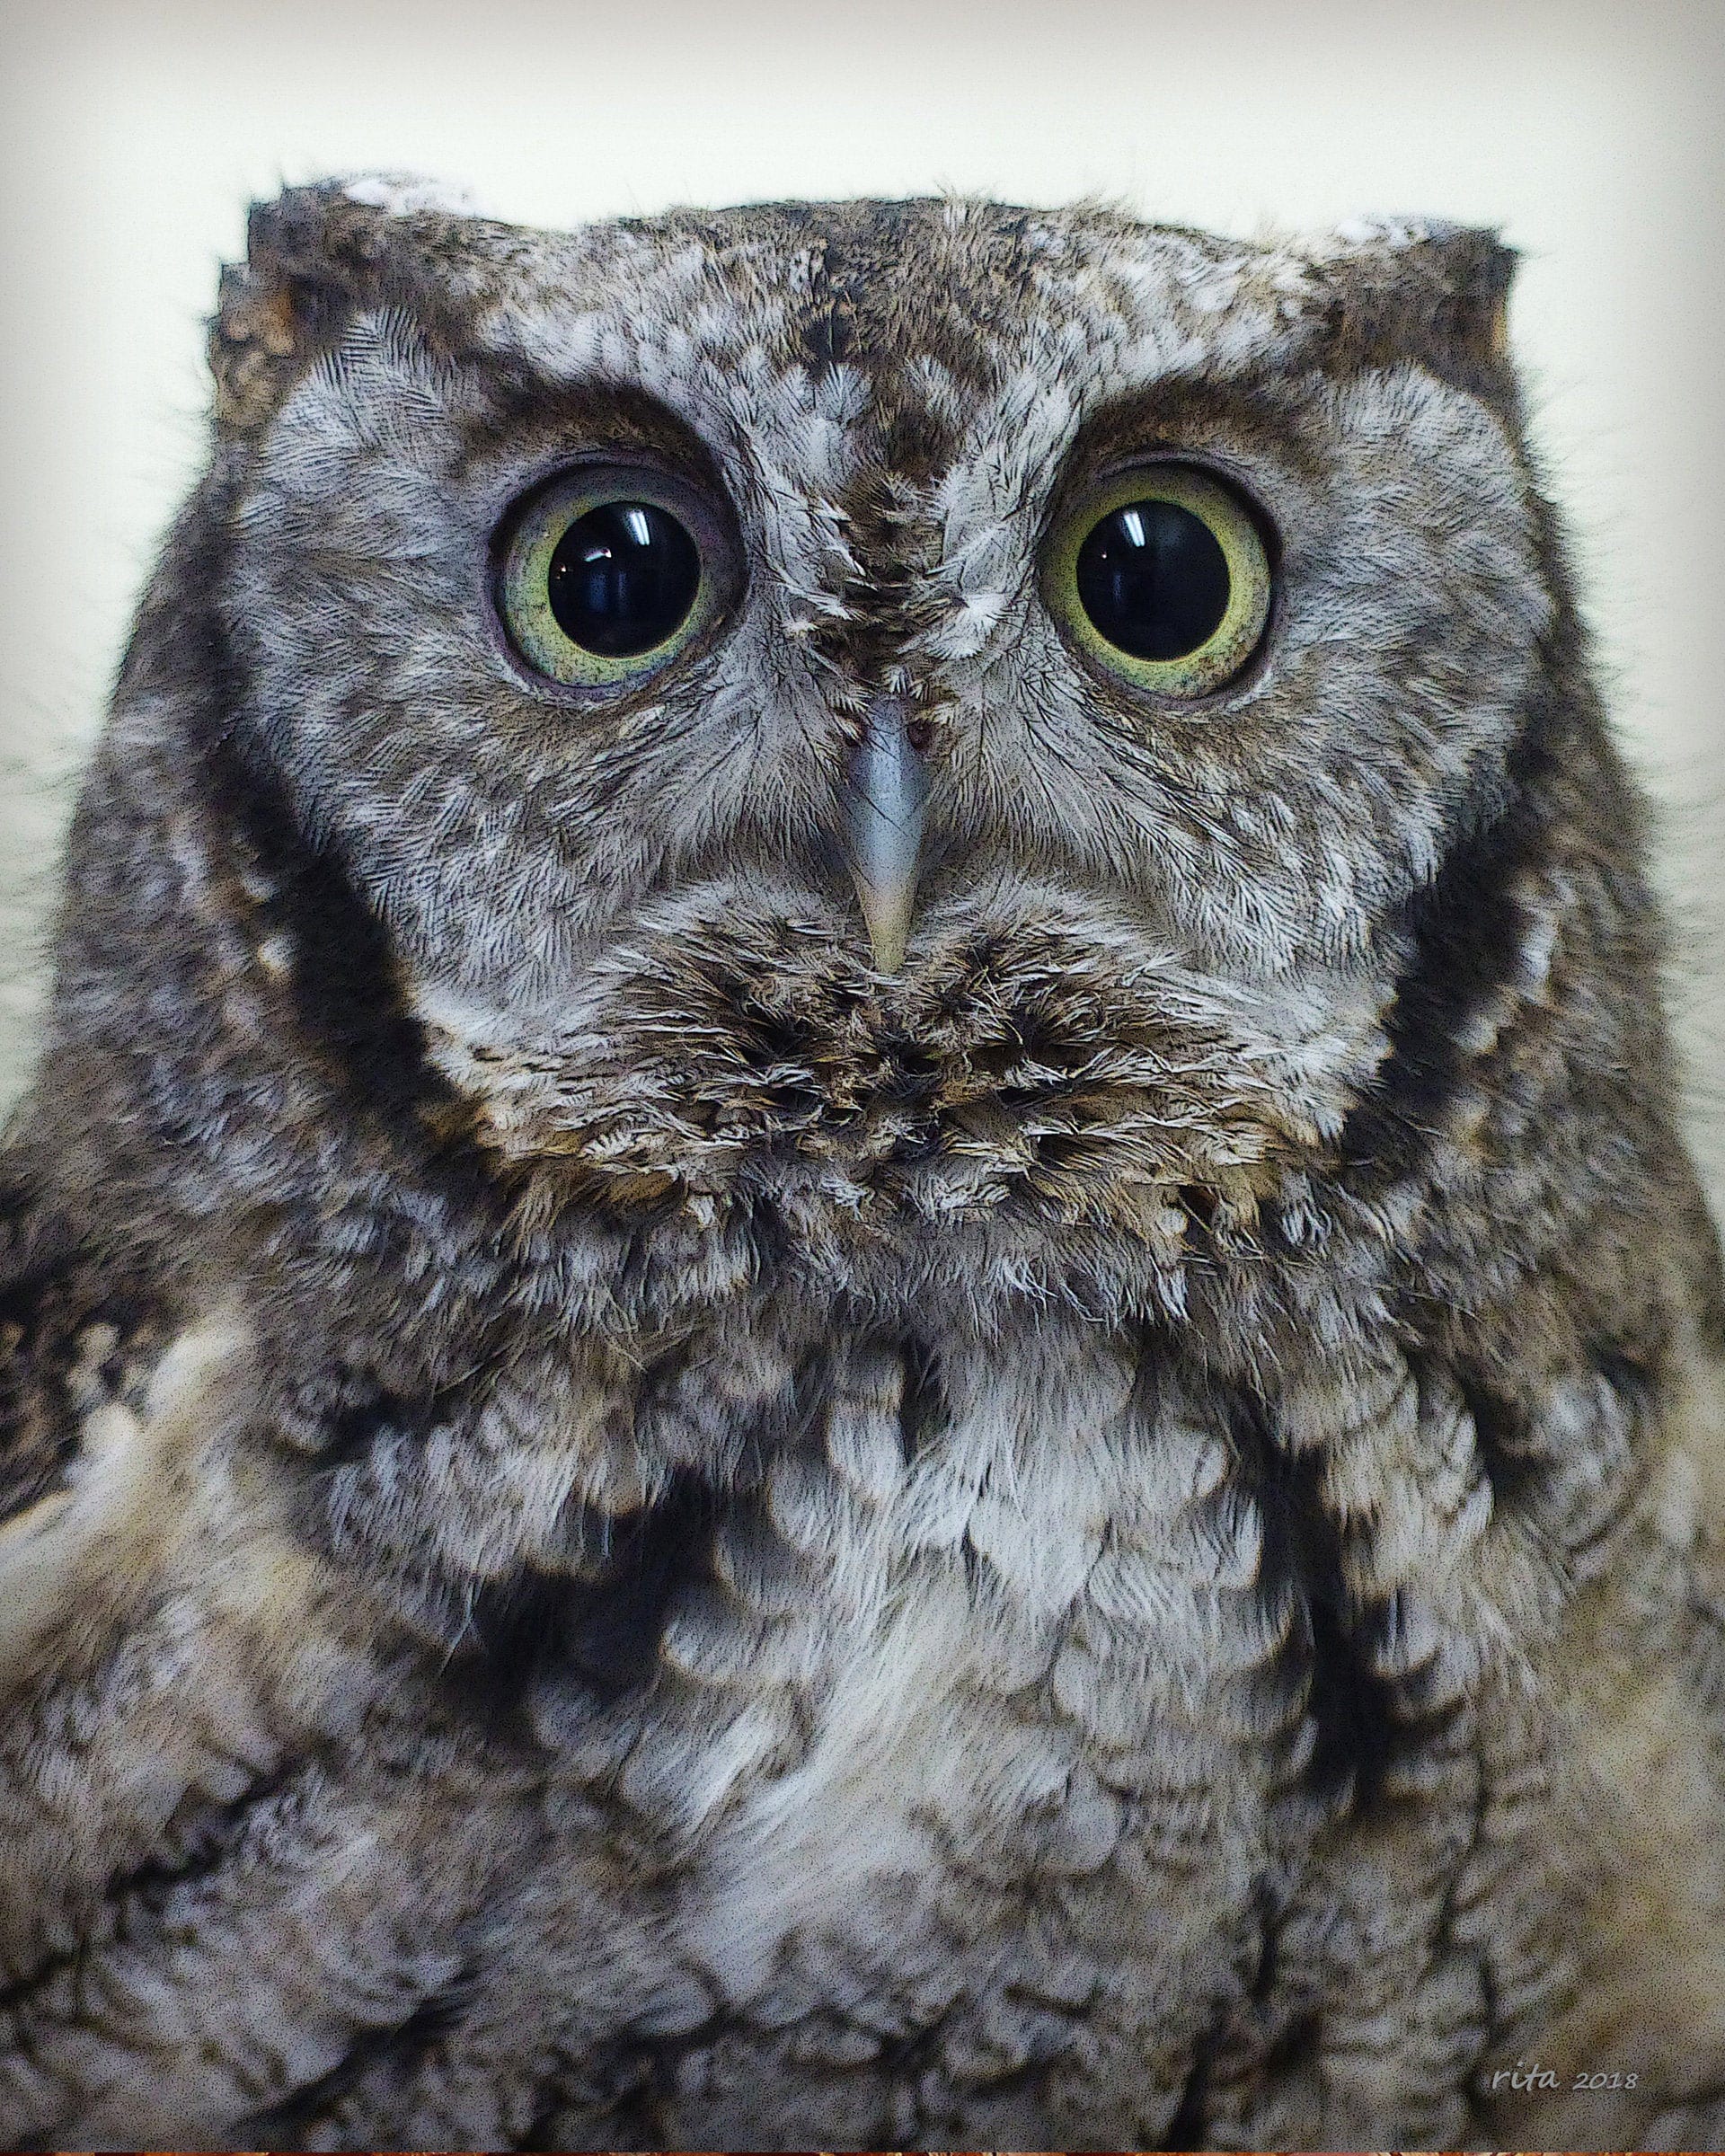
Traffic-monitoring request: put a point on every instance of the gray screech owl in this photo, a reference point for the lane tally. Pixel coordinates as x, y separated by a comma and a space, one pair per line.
850, 1301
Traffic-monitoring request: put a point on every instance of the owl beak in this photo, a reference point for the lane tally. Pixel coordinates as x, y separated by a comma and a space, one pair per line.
886, 786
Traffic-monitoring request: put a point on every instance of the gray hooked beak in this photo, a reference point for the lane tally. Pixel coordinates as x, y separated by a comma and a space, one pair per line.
886, 785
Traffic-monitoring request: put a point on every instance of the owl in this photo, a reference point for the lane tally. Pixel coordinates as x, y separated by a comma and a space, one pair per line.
851, 1298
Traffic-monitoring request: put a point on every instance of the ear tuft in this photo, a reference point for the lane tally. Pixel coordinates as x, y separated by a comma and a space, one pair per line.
312, 257
1419, 288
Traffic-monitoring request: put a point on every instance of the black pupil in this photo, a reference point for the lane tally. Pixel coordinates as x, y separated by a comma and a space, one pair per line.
1153, 579
623, 579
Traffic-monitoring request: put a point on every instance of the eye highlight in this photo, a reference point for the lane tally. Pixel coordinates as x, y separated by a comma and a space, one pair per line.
608, 573
1159, 574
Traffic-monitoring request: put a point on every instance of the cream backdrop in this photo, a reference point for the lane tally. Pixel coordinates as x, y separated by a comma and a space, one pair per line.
135, 130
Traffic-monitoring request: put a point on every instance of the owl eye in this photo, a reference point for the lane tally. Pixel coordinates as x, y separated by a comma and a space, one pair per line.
608, 573
1161, 576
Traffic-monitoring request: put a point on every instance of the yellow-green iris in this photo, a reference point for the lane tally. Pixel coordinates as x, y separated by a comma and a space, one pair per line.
608, 574
1160, 575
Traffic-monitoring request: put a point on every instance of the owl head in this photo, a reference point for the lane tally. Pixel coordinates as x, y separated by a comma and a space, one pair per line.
953, 750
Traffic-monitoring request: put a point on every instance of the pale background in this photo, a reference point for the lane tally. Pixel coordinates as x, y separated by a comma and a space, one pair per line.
132, 133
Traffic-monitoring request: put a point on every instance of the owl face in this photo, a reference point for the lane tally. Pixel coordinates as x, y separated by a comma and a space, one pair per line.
895, 713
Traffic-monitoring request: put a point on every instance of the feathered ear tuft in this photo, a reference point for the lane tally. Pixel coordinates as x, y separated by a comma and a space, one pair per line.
1414, 288
312, 256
